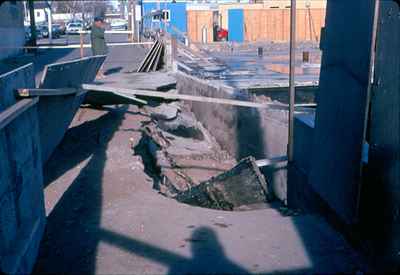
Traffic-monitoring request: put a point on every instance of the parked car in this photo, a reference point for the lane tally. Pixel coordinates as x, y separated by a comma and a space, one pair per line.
62, 28
74, 28
57, 30
39, 31
45, 31
27, 33
119, 24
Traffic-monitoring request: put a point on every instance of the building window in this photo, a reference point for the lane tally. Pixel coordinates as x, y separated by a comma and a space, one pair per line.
38, 13
164, 15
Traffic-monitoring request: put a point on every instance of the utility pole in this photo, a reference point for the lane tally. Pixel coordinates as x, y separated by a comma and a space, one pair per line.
32, 23
130, 22
122, 4
50, 21
83, 11
138, 18
133, 18
292, 88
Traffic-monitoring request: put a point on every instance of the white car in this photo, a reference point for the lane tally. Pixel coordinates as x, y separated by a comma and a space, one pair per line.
74, 28
119, 24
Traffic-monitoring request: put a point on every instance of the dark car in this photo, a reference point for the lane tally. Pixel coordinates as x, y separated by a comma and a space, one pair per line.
62, 28
39, 31
55, 32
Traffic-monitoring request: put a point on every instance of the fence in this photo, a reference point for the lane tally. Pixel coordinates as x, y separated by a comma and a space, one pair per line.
264, 24
274, 24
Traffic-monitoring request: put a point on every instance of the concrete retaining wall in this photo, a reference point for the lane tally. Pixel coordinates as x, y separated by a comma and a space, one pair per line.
22, 215
239, 130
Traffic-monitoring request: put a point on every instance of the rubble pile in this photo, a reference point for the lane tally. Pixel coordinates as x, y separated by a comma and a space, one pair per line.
192, 166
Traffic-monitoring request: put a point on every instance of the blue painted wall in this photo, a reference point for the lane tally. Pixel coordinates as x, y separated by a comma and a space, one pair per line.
178, 16
236, 25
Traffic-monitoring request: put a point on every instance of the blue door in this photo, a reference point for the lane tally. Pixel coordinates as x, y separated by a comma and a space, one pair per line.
235, 25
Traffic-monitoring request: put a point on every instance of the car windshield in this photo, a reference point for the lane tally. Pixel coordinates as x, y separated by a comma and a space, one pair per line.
75, 25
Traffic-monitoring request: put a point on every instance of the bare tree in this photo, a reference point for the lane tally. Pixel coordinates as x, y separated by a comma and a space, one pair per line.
98, 7
71, 6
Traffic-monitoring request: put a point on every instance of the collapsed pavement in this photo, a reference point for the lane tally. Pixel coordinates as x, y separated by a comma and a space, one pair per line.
192, 166
119, 224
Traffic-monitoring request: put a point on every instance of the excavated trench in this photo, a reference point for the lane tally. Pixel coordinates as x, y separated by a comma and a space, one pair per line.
187, 164
204, 154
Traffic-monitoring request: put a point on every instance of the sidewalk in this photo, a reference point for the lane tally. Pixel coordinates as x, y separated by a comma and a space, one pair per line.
104, 217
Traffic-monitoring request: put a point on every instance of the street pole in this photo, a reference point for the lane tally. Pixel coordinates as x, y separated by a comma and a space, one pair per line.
50, 25
139, 15
133, 19
130, 22
81, 44
292, 88
375, 26
83, 12
32, 23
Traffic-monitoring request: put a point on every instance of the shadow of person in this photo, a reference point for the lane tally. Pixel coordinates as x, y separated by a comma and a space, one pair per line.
71, 239
208, 256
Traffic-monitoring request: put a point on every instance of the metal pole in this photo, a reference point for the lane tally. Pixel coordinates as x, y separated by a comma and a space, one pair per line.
81, 43
138, 15
133, 19
50, 24
292, 91
32, 23
369, 90
130, 22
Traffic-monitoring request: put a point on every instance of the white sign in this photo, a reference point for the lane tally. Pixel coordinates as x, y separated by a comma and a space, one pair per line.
138, 12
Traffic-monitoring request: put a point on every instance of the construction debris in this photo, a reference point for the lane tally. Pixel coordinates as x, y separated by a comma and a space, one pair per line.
153, 81
241, 186
152, 61
192, 167
163, 111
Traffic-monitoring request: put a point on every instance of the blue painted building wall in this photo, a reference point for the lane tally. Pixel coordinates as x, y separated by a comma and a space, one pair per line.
236, 25
178, 17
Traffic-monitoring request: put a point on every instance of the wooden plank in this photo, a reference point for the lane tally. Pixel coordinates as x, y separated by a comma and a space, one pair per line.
45, 47
101, 98
271, 161
45, 92
137, 100
273, 24
242, 185
157, 61
146, 93
153, 57
11, 113
147, 56
152, 53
